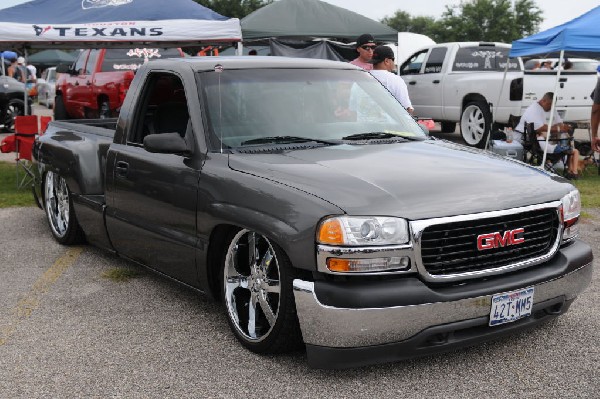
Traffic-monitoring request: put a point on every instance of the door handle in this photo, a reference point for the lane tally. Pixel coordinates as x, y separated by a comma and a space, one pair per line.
412, 82
436, 81
122, 168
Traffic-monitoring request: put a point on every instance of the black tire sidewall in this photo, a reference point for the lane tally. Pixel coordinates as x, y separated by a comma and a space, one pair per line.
60, 112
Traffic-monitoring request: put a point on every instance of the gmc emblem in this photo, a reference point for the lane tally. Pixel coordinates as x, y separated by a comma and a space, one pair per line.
495, 240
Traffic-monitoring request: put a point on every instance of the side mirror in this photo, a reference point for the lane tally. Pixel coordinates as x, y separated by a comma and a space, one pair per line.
166, 143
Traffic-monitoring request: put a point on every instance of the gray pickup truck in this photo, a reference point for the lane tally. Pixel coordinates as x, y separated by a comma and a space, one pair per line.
301, 194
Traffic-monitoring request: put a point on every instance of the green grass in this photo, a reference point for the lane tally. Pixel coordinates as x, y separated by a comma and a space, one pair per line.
120, 274
589, 187
9, 194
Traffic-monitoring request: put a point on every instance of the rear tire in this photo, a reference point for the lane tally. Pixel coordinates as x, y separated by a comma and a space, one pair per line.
448, 127
256, 283
58, 206
475, 123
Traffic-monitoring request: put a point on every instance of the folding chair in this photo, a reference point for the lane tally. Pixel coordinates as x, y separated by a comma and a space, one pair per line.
533, 152
26, 128
44, 121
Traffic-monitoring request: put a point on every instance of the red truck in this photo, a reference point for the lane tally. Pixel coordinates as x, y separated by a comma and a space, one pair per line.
94, 86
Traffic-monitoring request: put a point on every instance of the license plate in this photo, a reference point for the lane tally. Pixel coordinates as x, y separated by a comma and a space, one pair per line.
511, 306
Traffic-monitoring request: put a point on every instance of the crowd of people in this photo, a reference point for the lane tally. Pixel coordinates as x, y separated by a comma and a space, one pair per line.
380, 62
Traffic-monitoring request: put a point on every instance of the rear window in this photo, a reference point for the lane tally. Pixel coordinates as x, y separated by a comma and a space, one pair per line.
483, 58
133, 59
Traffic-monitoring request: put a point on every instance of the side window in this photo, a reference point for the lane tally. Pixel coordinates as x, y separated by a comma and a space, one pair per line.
79, 65
162, 108
483, 58
413, 65
90, 66
436, 60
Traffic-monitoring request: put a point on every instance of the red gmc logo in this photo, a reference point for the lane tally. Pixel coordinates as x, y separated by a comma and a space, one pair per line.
496, 240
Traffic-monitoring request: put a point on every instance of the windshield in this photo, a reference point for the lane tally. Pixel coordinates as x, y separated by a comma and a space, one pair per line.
260, 106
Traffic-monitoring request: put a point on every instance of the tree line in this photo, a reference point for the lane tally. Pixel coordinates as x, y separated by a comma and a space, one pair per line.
471, 20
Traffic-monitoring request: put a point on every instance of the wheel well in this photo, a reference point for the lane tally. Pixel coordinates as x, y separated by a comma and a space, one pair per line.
469, 98
216, 250
102, 98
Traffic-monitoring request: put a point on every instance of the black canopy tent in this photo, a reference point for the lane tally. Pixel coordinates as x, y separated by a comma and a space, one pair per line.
284, 23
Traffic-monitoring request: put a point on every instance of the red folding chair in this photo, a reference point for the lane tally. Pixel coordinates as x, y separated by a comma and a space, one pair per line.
26, 128
44, 121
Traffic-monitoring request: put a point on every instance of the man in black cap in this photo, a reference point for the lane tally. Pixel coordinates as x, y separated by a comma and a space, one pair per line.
383, 65
364, 46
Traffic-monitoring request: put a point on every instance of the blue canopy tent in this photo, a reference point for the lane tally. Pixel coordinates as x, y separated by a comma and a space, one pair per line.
580, 35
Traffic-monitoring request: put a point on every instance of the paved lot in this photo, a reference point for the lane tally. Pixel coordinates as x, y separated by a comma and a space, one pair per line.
68, 332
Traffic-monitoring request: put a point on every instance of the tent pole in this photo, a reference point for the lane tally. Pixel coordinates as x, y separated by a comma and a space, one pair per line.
240, 49
487, 141
560, 62
25, 90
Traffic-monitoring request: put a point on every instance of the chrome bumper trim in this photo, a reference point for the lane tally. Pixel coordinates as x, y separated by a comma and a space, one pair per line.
348, 328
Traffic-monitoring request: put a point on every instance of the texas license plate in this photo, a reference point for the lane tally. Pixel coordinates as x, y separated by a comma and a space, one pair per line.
511, 306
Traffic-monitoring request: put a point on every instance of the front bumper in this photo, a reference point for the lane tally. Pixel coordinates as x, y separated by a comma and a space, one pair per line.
354, 324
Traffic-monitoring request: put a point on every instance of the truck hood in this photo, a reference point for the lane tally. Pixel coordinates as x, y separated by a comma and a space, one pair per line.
414, 180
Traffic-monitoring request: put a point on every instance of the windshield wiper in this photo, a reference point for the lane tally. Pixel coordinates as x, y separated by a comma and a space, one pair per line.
373, 136
285, 140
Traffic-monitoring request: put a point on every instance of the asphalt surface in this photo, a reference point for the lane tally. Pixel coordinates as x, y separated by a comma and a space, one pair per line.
68, 332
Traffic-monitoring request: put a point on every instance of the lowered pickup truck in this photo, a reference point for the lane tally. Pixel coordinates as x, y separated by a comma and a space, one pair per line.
305, 197
465, 82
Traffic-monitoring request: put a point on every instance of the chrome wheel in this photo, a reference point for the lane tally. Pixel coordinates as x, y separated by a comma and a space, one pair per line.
57, 204
474, 124
252, 286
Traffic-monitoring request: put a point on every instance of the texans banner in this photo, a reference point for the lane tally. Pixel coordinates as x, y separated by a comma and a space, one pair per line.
51, 23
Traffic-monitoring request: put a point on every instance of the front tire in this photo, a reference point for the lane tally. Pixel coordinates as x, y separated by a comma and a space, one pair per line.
60, 111
258, 295
475, 123
58, 206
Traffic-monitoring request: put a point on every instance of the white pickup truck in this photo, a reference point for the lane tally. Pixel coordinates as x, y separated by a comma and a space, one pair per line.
464, 82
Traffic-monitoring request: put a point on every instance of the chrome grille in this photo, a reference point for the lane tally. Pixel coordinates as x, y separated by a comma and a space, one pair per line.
451, 248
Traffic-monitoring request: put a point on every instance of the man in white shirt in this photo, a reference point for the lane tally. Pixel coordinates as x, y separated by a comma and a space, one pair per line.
383, 65
537, 114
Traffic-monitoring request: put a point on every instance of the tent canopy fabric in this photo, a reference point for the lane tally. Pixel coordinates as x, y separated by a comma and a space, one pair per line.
113, 23
580, 35
50, 57
311, 19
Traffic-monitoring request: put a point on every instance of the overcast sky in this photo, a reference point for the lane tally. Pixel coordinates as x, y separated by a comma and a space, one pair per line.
555, 12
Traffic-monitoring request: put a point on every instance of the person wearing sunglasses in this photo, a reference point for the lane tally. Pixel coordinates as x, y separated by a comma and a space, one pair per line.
365, 44
383, 65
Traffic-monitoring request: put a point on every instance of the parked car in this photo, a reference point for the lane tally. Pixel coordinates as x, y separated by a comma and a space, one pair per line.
465, 83
94, 86
46, 87
305, 197
12, 102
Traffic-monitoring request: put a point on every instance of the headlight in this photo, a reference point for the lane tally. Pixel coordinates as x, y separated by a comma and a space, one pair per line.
362, 230
571, 208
